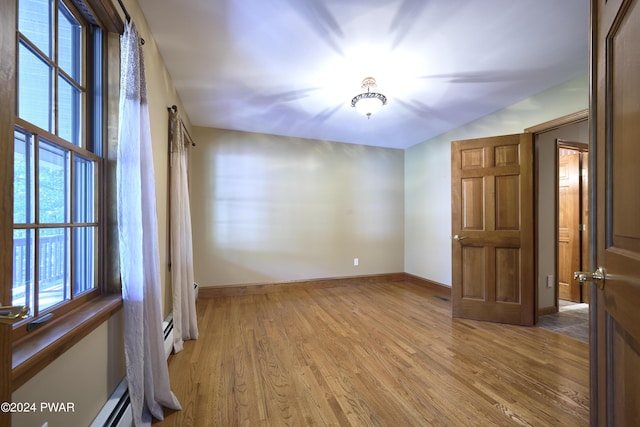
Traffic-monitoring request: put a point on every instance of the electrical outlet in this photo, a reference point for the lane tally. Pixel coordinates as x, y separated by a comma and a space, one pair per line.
356, 262
550, 281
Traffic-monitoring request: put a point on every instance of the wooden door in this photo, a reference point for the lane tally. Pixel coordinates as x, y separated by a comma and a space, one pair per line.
492, 229
568, 223
615, 327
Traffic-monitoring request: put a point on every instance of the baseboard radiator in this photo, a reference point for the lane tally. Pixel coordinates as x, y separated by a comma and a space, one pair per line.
117, 411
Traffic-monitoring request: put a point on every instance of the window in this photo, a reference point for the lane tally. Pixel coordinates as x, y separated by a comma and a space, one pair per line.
57, 159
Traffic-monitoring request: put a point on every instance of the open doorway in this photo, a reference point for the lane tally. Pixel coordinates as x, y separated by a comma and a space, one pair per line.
547, 141
571, 298
563, 316
572, 219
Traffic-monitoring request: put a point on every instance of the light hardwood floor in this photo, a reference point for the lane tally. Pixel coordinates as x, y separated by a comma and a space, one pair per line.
380, 354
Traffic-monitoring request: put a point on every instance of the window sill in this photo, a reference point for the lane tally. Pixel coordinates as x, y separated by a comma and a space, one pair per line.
33, 353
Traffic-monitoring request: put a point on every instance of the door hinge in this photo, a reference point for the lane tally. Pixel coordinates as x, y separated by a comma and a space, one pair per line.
582, 227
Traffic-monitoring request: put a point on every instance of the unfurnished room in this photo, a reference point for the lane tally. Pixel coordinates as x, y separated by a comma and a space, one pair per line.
319, 212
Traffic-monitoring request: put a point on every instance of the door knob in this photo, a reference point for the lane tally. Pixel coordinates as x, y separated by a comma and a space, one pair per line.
458, 238
12, 314
597, 276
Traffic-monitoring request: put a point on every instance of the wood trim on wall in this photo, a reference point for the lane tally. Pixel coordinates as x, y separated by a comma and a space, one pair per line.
417, 280
32, 355
569, 119
108, 15
8, 97
547, 310
264, 288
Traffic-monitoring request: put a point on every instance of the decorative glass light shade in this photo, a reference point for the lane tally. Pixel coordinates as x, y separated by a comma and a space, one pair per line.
368, 102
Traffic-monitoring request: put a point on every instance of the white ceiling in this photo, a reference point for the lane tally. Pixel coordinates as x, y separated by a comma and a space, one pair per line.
291, 67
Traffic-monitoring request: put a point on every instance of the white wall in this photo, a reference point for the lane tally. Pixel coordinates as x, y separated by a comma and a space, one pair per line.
428, 174
271, 209
85, 376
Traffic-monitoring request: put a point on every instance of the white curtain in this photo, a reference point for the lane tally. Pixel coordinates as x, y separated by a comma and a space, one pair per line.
147, 371
185, 326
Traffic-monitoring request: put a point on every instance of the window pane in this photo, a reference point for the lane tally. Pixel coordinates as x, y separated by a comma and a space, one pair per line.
53, 283
69, 43
69, 110
84, 259
53, 187
34, 21
34, 91
23, 191
84, 190
23, 262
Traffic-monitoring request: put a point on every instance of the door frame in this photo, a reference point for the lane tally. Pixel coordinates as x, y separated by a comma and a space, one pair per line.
569, 119
582, 147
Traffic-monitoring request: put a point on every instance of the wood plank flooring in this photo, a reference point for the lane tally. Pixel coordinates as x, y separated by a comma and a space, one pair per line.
380, 354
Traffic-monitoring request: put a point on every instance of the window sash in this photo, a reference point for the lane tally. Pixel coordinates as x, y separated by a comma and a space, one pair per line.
56, 256
55, 98
57, 176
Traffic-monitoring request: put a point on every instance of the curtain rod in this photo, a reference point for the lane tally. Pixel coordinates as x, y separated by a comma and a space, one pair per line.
175, 110
127, 16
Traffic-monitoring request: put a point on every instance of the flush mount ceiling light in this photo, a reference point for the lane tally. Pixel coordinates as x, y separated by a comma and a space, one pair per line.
368, 102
